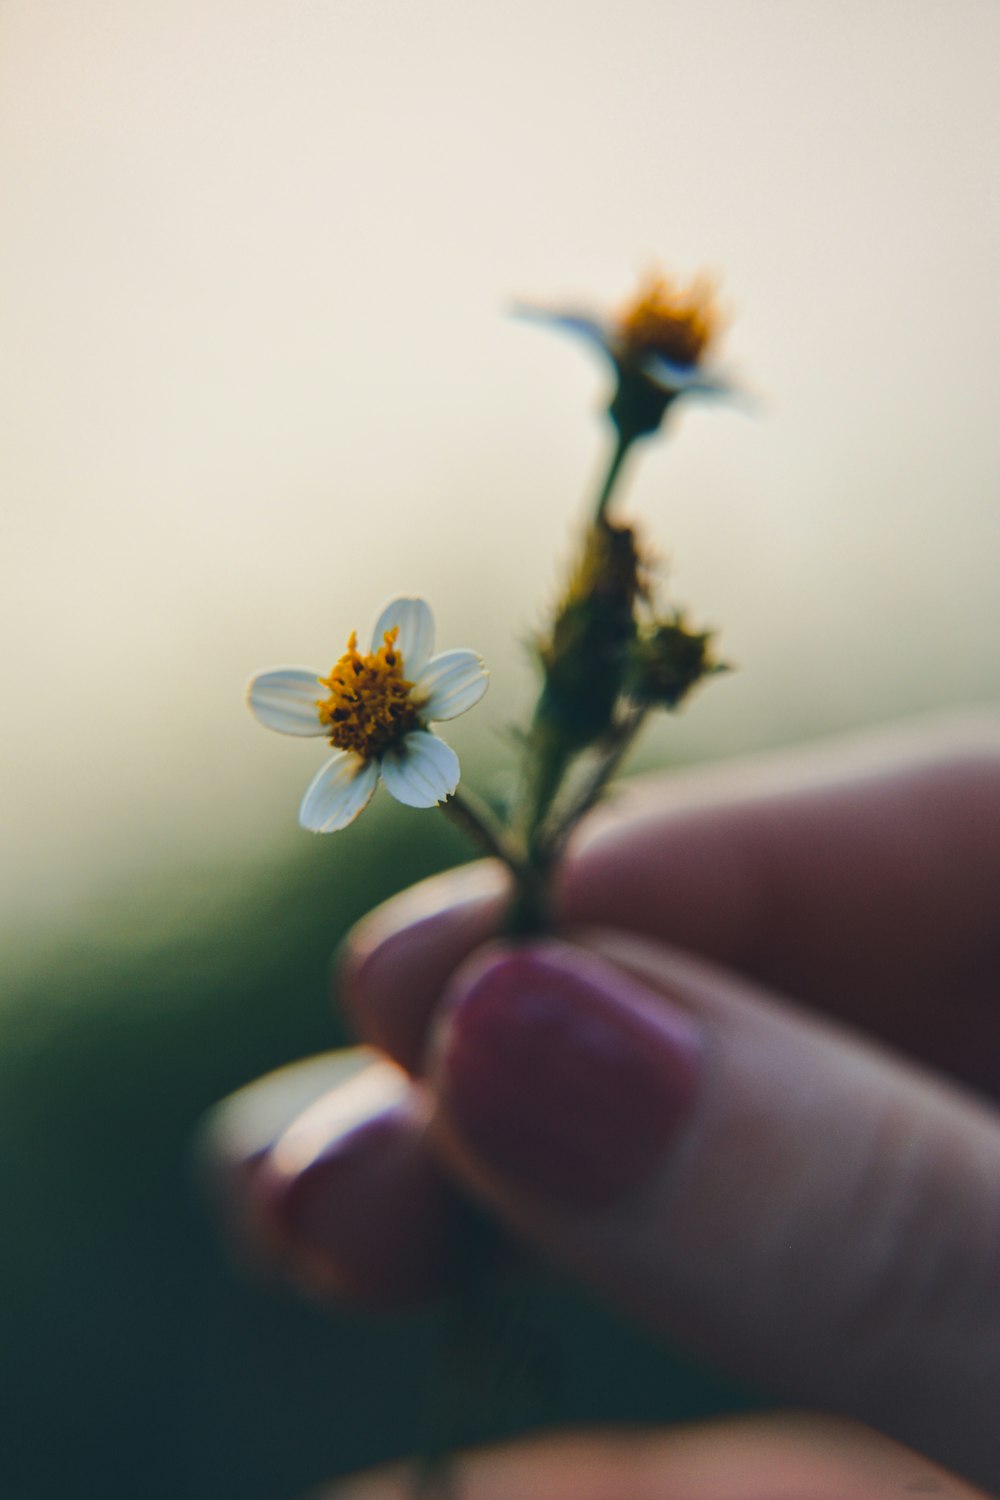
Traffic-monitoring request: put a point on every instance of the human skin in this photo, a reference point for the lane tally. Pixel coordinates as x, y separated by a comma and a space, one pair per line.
747, 1093
759, 1458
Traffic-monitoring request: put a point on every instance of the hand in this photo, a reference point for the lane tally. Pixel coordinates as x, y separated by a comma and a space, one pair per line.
761, 1458
712, 1097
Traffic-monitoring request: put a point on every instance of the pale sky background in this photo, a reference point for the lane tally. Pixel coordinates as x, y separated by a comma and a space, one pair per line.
256, 373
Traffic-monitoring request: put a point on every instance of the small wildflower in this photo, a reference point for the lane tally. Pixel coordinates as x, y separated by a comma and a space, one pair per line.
374, 708
657, 344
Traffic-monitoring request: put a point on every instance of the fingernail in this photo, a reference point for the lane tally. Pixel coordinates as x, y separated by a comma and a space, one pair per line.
427, 930
352, 1199
238, 1135
563, 1073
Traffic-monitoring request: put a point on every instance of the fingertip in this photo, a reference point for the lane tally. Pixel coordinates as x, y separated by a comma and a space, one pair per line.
356, 1205
393, 965
237, 1136
559, 1076
344, 1199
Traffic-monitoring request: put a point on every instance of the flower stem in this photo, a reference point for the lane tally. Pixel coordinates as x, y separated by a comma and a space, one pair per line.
616, 747
471, 814
623, 442
529, 913
529, 907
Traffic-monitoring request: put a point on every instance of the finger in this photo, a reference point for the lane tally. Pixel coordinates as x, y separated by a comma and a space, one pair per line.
238, 1134
751, 1181
395, 963
782, 1458
862, 882
324, 1175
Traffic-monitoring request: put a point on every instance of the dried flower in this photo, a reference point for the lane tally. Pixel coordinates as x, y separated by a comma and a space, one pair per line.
668, 660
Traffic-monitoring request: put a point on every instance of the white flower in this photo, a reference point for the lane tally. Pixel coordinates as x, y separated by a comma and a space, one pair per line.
374, 709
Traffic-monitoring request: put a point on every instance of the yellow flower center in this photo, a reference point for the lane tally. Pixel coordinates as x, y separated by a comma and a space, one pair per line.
369, 707
670, 321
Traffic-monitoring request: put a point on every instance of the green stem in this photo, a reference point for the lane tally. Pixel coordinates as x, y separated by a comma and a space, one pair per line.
468, 1377
552, 758
529, 913
471, 814
529, 908
618, 744
623, 443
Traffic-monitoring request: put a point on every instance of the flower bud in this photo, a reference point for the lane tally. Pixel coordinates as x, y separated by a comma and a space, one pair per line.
667, 661
586, 655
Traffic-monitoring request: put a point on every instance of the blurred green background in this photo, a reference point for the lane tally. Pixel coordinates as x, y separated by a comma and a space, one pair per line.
255, 377
138, 1361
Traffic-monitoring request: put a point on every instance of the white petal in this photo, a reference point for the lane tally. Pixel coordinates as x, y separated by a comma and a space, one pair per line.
680, 379
450, 684
587, 326
336, 795
415, 640
285, 699
422, 771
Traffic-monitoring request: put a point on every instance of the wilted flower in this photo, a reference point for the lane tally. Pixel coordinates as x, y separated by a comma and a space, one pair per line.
657, 344
374, 709
668, 660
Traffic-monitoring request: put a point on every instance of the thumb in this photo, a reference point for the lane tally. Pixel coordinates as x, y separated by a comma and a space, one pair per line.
780, 1196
